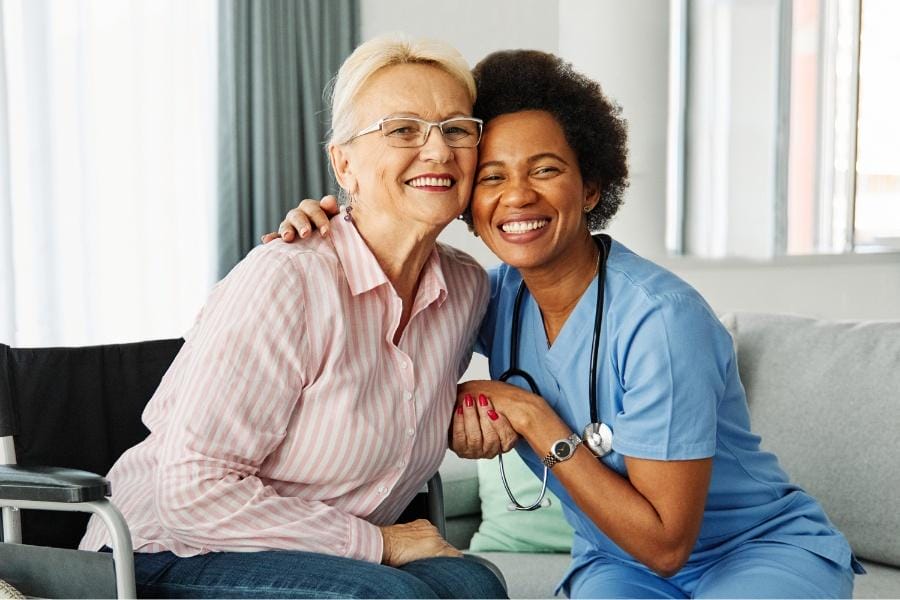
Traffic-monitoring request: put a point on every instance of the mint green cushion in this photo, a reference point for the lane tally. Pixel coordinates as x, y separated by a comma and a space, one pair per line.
501, 530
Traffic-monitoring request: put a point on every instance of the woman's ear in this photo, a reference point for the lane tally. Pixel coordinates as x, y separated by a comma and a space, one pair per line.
341, 166
591, 195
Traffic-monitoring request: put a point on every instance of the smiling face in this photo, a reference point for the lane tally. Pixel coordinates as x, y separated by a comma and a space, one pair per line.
529, 200
429, 184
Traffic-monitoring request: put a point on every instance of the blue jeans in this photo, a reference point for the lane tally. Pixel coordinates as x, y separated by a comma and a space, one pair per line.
290, 574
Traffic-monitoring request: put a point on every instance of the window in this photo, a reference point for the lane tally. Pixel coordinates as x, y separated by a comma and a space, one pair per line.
877, 200
107, 168
785, 135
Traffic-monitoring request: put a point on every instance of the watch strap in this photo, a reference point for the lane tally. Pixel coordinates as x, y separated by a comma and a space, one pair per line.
552, 458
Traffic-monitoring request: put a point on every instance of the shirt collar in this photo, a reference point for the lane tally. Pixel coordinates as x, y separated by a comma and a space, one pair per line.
432, 285
364, 273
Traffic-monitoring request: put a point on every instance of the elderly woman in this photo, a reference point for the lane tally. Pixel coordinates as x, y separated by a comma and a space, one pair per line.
634, 403
281, 454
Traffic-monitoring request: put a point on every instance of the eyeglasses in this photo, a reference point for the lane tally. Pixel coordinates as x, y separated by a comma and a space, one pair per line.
410, 132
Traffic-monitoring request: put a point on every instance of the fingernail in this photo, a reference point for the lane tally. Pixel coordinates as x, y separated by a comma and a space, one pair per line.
304, 232
469, 400
492, 414
482, 399
459, 410
324, 230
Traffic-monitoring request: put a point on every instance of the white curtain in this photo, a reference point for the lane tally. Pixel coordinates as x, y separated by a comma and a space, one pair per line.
107, 168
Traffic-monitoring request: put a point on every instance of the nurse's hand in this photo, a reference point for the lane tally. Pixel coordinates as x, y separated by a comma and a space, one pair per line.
524, 411
406, 542
478, 430
302, 220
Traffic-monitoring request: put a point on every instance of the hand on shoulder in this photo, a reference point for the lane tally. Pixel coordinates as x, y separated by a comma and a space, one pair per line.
307, 216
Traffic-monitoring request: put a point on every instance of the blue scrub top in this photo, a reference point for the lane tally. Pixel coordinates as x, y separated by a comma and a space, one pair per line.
669, 388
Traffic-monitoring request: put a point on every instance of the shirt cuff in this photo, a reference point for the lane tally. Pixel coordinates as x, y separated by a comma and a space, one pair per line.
365, 541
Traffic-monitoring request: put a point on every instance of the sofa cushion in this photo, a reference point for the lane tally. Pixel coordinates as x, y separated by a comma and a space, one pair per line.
880, 581
502, 530
825, 397
530, 575
461, 529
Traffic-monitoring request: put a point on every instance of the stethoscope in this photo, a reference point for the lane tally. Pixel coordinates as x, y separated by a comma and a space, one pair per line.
597, 435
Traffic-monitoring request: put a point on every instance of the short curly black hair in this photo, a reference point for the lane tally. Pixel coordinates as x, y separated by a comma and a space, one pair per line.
511, 81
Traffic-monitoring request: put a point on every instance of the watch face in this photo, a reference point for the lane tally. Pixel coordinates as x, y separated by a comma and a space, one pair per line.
562, 449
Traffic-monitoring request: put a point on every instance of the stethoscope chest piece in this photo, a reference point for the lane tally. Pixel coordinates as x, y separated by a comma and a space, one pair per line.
598, 438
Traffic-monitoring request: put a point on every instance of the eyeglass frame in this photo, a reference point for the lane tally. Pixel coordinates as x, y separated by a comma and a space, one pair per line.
377, 126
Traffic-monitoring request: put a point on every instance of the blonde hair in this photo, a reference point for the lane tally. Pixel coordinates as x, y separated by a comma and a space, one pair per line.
385, 51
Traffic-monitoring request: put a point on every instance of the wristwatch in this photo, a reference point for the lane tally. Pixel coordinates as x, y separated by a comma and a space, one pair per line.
562, 450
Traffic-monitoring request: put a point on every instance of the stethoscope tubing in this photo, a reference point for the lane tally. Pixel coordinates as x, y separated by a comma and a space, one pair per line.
515, 371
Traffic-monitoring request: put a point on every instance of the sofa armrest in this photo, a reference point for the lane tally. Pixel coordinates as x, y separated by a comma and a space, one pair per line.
51, 484
460, 483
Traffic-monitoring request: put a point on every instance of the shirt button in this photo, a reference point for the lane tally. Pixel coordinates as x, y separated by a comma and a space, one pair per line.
410, 432
382, 489
403, 364
407, 395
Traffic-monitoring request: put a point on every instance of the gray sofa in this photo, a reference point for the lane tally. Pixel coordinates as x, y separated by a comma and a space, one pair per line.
825, 397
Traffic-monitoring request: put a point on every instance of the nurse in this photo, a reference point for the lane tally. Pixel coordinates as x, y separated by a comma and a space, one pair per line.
686, 505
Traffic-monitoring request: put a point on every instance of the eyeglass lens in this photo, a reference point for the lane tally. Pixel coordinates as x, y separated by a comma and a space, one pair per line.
406, 133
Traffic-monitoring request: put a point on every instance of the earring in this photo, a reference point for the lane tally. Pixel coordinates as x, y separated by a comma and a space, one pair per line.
587, 209
348, 208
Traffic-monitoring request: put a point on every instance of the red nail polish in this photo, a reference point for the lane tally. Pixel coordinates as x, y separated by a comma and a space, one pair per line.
469, 400
459, 410
482, 400
493, 414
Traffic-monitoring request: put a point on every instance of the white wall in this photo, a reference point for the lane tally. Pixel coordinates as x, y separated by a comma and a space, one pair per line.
475, 27
624, 45
833, 287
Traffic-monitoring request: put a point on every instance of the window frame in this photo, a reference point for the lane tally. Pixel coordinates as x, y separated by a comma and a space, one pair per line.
677, 150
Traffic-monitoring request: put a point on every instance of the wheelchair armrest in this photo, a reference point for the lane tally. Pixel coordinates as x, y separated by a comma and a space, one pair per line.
436, 504
51, 484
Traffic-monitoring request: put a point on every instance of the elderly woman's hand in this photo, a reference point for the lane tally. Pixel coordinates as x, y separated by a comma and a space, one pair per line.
406, 542
478, 429
300, 221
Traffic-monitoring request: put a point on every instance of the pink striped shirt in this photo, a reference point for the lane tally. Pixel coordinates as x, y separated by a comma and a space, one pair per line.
290, 420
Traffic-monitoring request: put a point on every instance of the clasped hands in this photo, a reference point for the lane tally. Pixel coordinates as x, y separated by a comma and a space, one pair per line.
487, 418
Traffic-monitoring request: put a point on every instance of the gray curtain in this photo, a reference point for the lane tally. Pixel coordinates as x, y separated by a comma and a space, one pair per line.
275, 59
